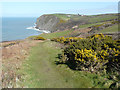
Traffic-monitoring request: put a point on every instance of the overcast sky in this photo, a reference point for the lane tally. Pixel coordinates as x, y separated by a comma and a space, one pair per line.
37, 8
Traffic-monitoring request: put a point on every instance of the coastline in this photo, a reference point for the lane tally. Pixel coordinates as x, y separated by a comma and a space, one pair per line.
31, 28
35, 28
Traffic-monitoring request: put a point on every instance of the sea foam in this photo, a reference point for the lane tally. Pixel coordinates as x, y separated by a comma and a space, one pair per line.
34, 28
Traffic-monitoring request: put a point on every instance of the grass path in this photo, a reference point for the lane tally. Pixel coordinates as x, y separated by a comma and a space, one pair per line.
41, 71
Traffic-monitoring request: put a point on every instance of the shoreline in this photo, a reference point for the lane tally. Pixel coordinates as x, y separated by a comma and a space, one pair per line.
37, 29
31, 28
12, 40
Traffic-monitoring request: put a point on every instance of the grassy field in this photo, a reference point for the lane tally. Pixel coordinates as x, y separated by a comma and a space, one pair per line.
88, 25
41, 71
87, 18
90, 18
110, 29
101, 18
55, 34
62, 16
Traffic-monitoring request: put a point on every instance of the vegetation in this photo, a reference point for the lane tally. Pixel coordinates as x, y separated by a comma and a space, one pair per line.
87, 25
41, 71
39, 38
56, 34
62, 16
102, 18
98, 27
36, 38
91, 19
97, 53
67, 21
12, 43
68, 61
110, 29
6, 44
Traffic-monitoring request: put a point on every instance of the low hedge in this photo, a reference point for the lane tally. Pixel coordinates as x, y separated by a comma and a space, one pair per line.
38, 38
94, 53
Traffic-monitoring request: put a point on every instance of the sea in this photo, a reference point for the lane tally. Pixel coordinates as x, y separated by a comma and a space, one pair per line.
14, 28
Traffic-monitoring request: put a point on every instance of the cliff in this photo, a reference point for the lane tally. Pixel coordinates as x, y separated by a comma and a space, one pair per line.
47, 22
54, 22
58, 22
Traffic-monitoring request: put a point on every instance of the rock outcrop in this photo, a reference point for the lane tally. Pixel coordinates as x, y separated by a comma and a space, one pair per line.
58, 22
47, 22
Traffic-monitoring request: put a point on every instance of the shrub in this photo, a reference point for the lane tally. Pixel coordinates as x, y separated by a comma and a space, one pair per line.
38, 38
97, 53
88, 60
94, 53
67, 40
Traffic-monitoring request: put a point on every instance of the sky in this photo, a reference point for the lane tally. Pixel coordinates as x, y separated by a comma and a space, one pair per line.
59, 0
35, 8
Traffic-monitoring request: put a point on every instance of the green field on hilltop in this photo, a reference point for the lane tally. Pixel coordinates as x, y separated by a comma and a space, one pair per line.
102, 18
55, 34
89, 18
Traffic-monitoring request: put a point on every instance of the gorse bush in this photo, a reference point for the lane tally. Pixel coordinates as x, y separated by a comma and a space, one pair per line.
88, 60
97, 53
94, 53
67, 40
38, 38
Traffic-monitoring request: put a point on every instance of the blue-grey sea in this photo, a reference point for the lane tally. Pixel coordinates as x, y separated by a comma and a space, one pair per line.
16, 28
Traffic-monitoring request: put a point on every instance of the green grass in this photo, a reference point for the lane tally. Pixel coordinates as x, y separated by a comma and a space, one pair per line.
65, 33
55, 34
40, 70
110, 29
62, 16
88, 25
89, 18
99, 18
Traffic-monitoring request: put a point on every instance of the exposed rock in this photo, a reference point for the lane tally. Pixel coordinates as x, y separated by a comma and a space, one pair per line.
53, 23
47, 22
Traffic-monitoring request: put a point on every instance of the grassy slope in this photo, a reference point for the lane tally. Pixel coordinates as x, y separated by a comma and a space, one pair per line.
64, 33
70, 33
99, 18
55, 34
109, 29
88, 25
42, 72
90, 18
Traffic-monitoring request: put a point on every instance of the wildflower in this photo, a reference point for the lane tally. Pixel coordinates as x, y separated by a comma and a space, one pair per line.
116, 54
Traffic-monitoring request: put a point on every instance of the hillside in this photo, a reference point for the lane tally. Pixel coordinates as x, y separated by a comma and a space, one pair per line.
74, 55
58, 22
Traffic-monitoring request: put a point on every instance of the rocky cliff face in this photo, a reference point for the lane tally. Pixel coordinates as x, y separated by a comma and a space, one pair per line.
58, 22
47, 22
53, 23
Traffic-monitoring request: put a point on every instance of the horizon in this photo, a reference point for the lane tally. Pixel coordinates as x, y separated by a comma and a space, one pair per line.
60, 13
36, 9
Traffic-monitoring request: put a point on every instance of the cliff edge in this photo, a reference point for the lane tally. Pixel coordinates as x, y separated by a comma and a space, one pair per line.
58, 22
47, 22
